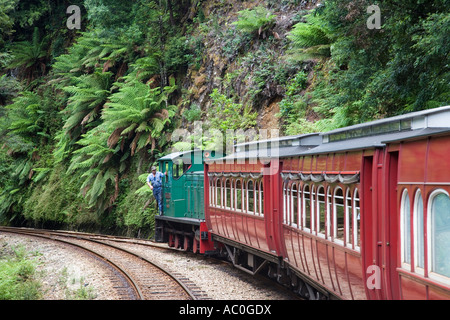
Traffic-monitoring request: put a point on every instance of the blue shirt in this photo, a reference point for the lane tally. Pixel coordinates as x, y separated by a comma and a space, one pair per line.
155, 180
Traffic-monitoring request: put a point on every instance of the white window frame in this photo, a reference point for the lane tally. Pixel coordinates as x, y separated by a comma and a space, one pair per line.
335, 224
348, 224
293, 224
433, 275
226, 195
236, 197
305, 227
329, 208
405, 265
247, 198
355, 219
322, 235
313, 208
417, 268
261, 201
285, 202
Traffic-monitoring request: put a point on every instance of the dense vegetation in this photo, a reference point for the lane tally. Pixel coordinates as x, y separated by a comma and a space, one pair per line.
19, 279
84, 113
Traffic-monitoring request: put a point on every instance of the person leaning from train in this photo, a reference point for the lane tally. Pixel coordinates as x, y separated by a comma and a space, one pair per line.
154, 181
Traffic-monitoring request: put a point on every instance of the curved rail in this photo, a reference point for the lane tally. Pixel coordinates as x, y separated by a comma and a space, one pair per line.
86, 237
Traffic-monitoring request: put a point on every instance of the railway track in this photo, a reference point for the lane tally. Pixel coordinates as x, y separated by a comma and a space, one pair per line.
137, 278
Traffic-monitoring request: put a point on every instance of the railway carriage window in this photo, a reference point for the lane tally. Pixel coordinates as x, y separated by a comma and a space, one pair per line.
439, 227
233, 185
418, 230
300, 207
294, 197
320, 213
214, 196
356, 219
261, 199
250, 197
285, 202
348, 219
313, 208
218, 192
406, 228
256, 201
306, 207
338, 214
243, 196
329, 204
238, 195
227, 199
211, 193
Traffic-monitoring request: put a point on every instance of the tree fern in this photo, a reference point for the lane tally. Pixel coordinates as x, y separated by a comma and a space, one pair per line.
140, 111
311, 39
30, 56
87, 97
87, 164
255, 20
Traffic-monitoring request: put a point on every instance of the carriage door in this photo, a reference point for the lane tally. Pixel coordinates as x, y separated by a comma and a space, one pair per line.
379, 224
390, 241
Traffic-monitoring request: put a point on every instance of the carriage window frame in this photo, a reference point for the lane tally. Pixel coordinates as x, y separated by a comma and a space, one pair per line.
227, 194
306, 207
320, 211
329, 212
295, 204
256, 201
232, 187
238, 204
285, 202
357, 220
211, 193
431, 238
405, 230
419, 233
313, 208
348, 219
218, 193
336, 238
261, 198
248, 198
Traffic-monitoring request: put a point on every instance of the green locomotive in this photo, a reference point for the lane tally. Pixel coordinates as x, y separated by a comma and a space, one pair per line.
182, 222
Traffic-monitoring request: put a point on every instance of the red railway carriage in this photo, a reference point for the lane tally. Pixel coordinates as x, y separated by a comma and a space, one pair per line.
361, 212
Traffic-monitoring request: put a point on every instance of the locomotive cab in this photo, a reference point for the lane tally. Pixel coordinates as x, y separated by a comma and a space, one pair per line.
183, 198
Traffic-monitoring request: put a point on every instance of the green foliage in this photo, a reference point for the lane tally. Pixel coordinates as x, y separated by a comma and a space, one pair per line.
88, 163
228, 115
133, 119
6, 21
30, 56
81, 112
254, 20
18, 278
136, 207
138, 112
292, 96
104, 14
193, 114
87, 97
29, 13
9, 88
375, 73
310, 39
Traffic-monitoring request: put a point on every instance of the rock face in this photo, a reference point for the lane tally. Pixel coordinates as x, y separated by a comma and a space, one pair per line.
246, 66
